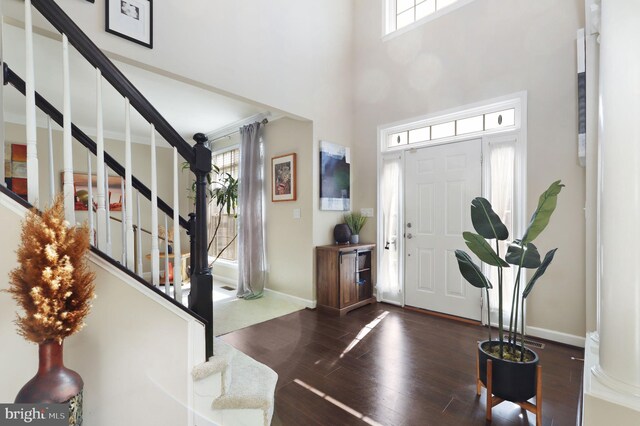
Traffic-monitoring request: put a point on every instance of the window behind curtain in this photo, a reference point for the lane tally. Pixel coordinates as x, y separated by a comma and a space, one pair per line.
502, 184
227, 162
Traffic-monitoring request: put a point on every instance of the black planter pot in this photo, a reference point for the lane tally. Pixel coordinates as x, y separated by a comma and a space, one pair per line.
512, 381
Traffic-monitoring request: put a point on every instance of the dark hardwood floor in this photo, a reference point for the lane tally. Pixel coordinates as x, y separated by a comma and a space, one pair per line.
381, 364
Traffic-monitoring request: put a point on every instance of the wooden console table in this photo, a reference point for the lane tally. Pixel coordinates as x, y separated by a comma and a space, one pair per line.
344, 277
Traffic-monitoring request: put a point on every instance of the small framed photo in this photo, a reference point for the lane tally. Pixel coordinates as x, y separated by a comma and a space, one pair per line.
131, 19
283, 178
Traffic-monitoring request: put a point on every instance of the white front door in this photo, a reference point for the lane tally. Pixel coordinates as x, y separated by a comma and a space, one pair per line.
440, 182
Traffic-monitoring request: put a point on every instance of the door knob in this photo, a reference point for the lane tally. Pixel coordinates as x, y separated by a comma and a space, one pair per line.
409, 236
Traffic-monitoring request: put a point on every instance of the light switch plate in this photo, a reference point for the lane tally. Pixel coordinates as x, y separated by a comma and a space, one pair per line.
368, 212
296, 213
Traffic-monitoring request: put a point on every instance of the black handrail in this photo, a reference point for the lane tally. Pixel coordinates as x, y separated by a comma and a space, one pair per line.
78, 39
14, 80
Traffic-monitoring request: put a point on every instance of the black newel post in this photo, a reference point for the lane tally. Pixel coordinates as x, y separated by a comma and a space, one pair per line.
201, 296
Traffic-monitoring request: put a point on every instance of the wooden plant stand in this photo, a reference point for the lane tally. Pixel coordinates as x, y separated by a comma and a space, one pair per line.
492, 400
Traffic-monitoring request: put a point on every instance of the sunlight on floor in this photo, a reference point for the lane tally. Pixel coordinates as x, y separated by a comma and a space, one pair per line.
365, 330
337, 403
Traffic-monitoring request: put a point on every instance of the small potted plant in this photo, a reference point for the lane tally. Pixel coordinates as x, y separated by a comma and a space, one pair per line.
514, 366
355, 221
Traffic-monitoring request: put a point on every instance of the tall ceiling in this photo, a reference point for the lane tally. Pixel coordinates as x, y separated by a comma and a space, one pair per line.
188, 108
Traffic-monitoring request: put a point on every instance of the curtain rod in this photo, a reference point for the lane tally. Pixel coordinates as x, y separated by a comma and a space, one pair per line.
233, 128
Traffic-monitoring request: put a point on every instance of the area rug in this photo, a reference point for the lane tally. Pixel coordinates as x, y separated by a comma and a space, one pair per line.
231, 313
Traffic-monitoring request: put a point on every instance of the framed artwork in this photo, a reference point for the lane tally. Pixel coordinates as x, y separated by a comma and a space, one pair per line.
15, 168
335, 177
283, 178
81, 192
131, 19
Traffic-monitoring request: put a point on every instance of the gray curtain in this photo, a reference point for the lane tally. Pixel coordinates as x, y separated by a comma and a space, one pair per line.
251, 245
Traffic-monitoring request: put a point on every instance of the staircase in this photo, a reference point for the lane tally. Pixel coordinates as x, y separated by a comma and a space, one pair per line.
241, 388
142, 343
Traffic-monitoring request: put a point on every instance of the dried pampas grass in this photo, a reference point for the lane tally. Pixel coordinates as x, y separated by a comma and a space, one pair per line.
52, 284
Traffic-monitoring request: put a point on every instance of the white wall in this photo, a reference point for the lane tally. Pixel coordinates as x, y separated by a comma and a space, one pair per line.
290, 241
484, 50
135, 355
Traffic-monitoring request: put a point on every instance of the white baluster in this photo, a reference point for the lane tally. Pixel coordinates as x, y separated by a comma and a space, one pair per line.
177, 258
123, 215
139, 269
128, 187
101, 214
32, 151
167, 287
107, 209
52, 187
92, 239
155, 252
68, 190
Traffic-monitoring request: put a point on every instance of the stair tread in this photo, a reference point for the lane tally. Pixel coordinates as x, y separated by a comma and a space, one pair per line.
252, 386
222, 357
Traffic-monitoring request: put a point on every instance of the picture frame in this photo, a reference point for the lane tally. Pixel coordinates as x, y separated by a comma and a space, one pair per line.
283, 178
335, 177
81, 186
131, 20
15, 168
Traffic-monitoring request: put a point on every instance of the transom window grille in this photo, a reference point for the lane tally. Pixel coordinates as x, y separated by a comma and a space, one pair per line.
462, 126
402, 13
227, 162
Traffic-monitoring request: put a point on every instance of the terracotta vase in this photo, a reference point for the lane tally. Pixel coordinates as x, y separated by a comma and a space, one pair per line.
54, 383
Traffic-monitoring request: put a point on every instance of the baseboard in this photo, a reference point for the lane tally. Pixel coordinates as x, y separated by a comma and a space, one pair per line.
311, 304
556, 336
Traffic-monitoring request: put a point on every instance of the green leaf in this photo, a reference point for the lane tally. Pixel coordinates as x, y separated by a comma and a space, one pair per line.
531, 257
470, 271
482, 249
540, 218
486, 222
539, 272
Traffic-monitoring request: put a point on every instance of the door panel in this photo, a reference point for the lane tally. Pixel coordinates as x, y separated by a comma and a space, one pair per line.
440, 182
348, 288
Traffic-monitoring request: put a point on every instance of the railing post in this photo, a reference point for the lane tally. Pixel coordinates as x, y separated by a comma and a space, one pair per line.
201, 296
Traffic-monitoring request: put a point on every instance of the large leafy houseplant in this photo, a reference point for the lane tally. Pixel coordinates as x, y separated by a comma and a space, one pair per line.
521, 253
224, 193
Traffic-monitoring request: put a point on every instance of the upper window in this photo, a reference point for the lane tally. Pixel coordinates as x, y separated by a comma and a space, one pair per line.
421, 133
403, 13
491, 116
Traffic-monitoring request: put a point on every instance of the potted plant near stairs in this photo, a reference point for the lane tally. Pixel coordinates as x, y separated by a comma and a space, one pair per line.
506, 367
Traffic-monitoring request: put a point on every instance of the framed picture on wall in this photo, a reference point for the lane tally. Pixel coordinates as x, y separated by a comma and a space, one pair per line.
131, 19
335, 177
81, 192
283, 178
15, 168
